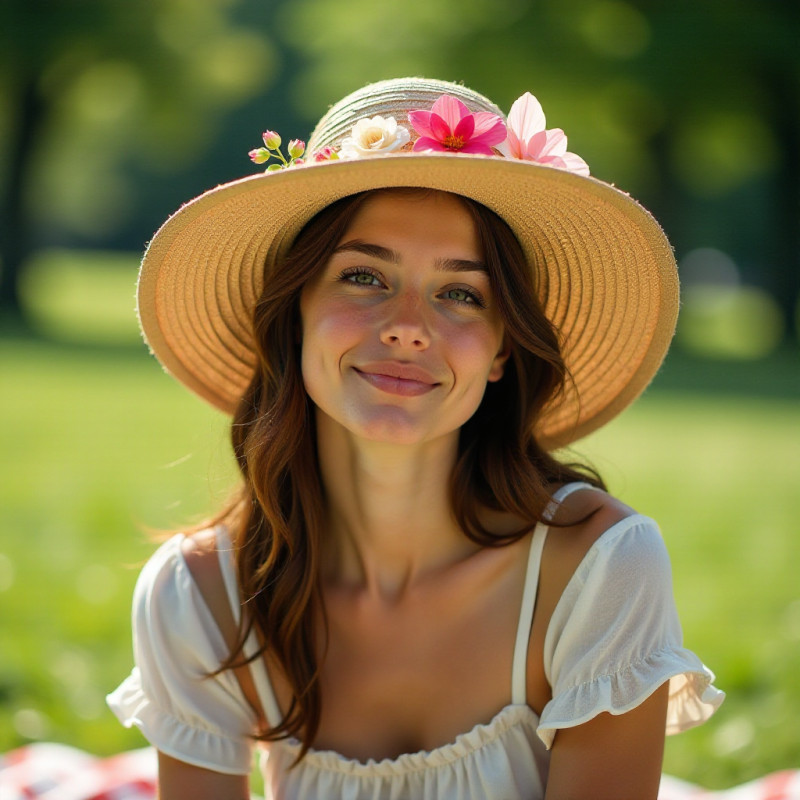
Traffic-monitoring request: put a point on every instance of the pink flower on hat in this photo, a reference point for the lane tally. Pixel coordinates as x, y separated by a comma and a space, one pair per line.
528, 139
325, 154
451, 126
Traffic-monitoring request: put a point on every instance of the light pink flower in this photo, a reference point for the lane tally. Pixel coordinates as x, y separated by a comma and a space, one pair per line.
451, 126
528, 139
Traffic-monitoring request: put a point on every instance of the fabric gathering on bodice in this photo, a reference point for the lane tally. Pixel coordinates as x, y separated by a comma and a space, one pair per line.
613, 639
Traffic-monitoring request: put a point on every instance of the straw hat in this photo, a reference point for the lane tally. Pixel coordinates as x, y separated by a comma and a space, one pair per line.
601, 264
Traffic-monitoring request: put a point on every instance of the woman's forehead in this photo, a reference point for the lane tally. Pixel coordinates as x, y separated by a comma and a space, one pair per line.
392, 218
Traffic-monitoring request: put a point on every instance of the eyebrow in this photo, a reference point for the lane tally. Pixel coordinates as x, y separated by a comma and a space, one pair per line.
385, 254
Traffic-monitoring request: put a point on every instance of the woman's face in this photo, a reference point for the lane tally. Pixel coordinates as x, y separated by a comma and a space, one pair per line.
400, 330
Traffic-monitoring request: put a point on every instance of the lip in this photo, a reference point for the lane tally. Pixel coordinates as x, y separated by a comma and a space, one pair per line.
402, 379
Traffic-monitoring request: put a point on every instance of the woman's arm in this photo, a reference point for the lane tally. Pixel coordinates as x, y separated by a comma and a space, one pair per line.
611, 757
180, 781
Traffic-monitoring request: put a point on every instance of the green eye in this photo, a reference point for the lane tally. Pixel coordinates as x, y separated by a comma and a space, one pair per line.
360, 276
464, 297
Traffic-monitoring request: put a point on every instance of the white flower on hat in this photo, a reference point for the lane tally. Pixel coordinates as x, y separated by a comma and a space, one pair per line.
374, 136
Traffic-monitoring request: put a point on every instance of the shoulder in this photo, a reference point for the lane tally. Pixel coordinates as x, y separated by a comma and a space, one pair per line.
596, 543
171, 591
208, 558
161, 579
605, 568
586, 524
185, 706
167, 569
586, 513
200, 552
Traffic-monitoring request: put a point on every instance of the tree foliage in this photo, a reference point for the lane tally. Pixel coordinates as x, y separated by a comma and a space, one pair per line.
91, 87
692, 107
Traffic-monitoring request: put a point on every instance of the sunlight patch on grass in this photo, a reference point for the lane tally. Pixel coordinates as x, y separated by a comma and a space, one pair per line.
83, 296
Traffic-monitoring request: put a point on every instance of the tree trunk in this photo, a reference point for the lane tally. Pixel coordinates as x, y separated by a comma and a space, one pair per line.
783, 246
15, 234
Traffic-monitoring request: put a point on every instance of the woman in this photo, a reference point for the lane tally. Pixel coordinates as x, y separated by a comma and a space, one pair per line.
411, 596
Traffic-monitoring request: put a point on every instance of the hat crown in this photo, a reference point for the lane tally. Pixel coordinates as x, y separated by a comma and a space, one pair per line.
391, 98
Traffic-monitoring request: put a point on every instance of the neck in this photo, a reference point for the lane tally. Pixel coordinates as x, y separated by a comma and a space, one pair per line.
389, 517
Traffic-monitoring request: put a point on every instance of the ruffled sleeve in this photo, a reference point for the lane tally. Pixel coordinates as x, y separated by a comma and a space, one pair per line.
615, 637
204, 721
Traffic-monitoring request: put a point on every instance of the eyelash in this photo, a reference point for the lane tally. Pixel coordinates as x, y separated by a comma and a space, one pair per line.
352, 272
475, 297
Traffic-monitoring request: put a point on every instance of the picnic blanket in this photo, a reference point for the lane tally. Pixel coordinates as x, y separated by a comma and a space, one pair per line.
47, 771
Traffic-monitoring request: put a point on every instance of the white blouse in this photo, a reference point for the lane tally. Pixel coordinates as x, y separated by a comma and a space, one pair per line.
613, 639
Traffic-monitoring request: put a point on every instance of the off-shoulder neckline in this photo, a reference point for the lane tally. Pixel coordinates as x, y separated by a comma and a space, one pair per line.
480, 735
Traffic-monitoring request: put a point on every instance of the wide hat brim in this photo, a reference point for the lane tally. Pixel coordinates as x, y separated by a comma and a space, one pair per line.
602, 267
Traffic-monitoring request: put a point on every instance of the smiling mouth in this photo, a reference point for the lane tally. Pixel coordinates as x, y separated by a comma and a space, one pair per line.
394, 384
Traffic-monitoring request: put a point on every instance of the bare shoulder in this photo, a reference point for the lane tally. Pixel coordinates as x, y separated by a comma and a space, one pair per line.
200, 549
582, 518
201, 554
200, 543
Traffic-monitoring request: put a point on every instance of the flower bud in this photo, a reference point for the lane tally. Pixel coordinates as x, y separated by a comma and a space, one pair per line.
272, 141
296, 148
259, 155
274, 167
326, 154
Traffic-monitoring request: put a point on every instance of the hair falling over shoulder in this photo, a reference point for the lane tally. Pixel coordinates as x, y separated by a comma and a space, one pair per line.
276, 518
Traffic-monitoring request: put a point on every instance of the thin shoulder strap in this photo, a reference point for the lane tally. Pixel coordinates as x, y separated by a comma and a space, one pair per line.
258, 670
519, 666
519, 669
226, 611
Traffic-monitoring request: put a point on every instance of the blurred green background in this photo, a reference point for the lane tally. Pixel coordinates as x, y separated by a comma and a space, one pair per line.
112, 114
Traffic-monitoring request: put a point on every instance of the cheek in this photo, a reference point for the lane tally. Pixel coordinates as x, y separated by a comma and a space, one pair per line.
476, 347
331, 324
330, 330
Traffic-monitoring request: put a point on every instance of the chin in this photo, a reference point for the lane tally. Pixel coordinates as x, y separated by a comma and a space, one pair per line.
394, 426
390, 425
390, 429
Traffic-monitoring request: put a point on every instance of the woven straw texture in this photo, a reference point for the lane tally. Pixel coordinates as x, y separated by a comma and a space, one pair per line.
601, 264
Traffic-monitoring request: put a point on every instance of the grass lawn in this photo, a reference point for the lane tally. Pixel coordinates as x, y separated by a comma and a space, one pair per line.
720, 474
98, 444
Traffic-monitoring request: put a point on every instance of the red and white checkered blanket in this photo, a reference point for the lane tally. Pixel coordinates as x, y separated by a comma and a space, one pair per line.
58, 772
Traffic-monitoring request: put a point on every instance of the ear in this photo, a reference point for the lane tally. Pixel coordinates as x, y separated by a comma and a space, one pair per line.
499, 362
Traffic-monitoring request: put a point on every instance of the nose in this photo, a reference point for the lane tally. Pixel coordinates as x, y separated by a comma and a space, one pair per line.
405, 325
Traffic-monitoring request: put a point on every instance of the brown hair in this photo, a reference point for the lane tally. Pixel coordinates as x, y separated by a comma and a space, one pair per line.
276, 518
